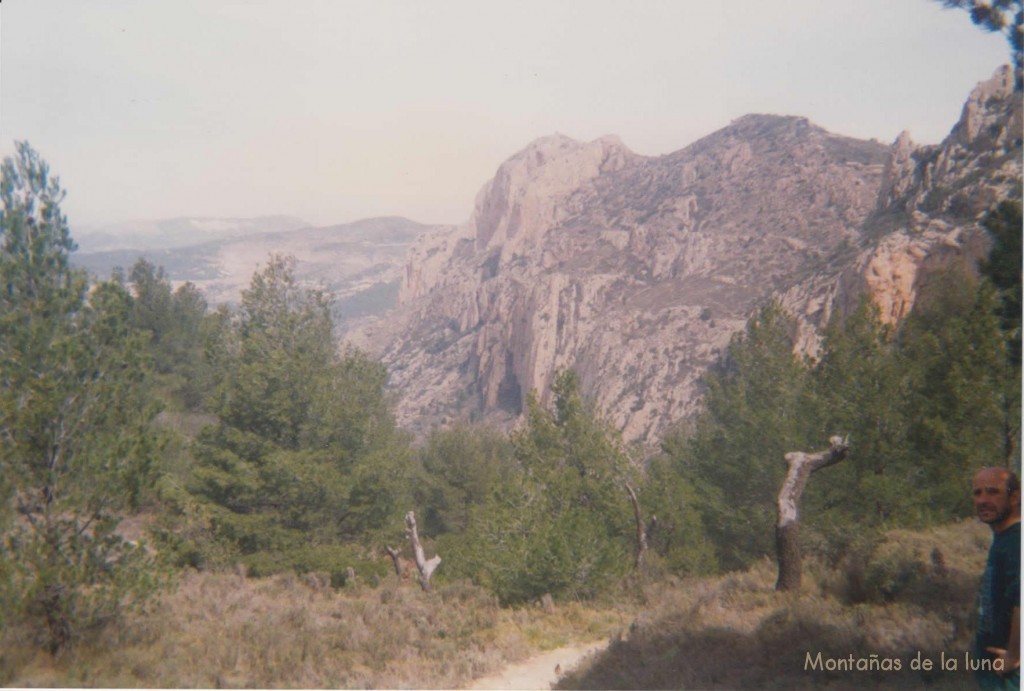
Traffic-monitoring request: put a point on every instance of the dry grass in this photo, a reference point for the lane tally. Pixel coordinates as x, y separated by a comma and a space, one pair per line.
916, 591
910, 592
221, 630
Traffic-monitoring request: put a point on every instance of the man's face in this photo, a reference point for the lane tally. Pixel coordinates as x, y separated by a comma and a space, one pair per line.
991, 501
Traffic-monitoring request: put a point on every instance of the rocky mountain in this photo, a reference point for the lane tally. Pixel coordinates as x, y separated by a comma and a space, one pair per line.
637, 270
933, 196
359, 263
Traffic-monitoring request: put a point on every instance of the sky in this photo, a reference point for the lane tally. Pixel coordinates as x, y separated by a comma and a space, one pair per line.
333, 111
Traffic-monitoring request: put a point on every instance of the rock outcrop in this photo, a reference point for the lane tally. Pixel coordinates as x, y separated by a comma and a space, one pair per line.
637, 270
932, 197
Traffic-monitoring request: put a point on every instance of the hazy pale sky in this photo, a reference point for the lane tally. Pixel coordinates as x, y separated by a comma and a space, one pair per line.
338, 110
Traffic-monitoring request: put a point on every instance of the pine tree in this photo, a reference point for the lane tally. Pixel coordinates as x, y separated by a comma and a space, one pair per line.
306, 456
863, 393
75, 448
679, 537
174, 322
1003, 269
758, 407
956, 354
560, 521
461, 465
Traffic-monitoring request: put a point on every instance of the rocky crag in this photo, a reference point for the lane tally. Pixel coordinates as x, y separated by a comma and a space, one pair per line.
637, 270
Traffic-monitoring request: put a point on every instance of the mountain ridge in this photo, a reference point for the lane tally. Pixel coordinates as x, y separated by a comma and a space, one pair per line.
636, 270
179, 231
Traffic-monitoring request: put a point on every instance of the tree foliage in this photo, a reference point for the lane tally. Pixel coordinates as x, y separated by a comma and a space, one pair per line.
1003, 269
76, 452
1002, 16
174, 322
863, 391
680, 539
560, 522
757, 407
306, 456
954, 350
924, 403
462, 465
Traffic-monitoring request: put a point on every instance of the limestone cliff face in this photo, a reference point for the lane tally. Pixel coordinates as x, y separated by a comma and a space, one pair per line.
932, 197
637, 270
525, 199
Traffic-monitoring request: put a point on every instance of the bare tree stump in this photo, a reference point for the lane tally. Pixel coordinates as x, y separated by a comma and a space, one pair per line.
426, 567
787, 529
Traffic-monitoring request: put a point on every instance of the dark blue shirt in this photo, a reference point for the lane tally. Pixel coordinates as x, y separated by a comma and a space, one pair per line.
1000, 591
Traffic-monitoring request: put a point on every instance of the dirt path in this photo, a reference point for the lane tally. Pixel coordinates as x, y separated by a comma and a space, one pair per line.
539, 671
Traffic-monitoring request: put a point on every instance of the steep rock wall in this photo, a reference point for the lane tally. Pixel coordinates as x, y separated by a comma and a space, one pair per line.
636, 271
933, 197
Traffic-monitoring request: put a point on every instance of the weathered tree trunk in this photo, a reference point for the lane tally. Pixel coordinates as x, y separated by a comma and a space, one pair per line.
787, 529
396, 560
57, 622
426, 567
643, 533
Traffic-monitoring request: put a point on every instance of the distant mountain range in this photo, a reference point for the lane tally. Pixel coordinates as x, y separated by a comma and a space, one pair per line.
171, 233
358, 263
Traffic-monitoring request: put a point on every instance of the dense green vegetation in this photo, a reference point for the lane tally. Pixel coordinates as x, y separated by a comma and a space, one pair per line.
558, 522
174, 323
279, 452
76, 448
305, 462
925, 404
